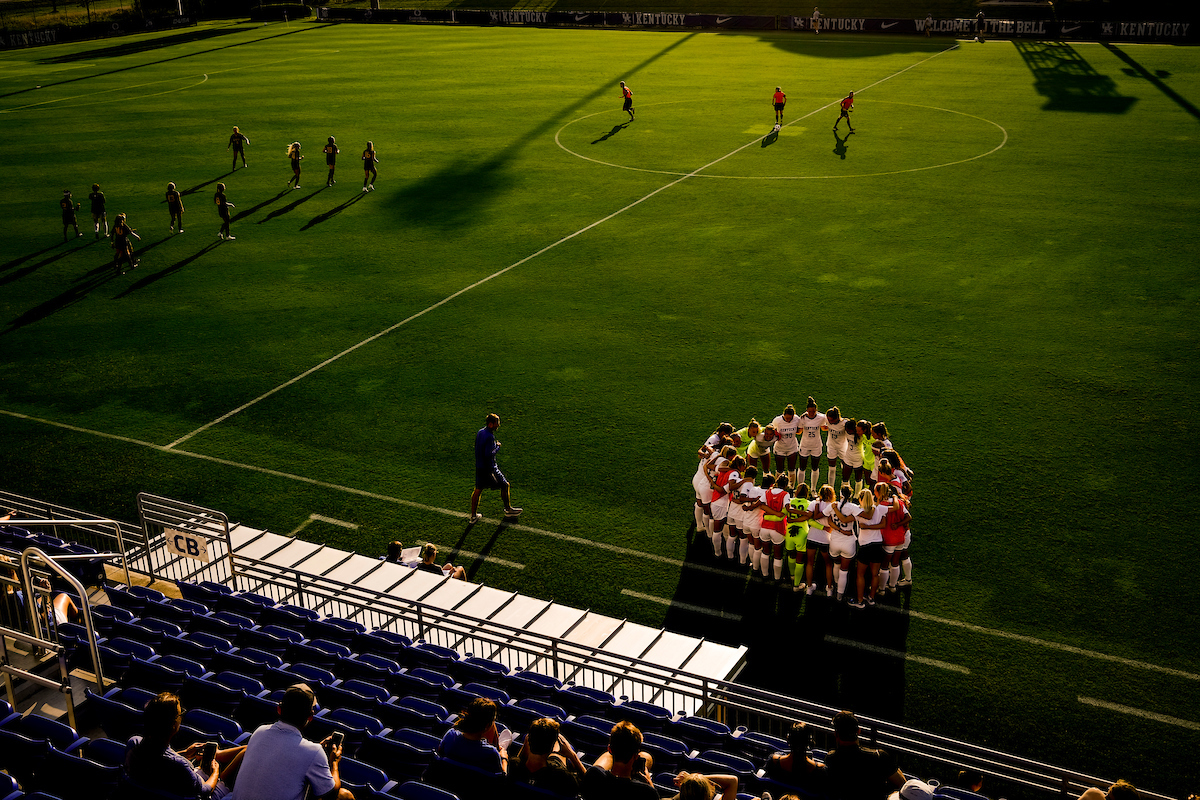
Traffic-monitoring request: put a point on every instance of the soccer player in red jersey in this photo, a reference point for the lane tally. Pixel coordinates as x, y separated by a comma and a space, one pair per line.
847, 107
780, 100
627, 93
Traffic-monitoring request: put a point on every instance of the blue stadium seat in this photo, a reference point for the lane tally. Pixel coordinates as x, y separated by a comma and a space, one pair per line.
286, 616
103, 617
457, 698
264, 640
242, 604
200, 692
579, 700
255, 711
242, 683
187, 648
758, 747
719, 762
464, 780
374, 690
105, 751
414, 790
170, 611
520, 714
60, 735
71, 777
587, 733
160, 626
205, 592
406, 684
701, 734
200, 725
400, 760
669, 754
282, 632
433, 656
337, 696
119, 720
147, 594
217, 642
527, 683
415, 713
21, 755
89, 572
316, 677
471, 669
354, 725
307, 653
646, 716
334, 629
7, 714
363, 780
154, 676
121, 597
367, 667
383, 643
954, 793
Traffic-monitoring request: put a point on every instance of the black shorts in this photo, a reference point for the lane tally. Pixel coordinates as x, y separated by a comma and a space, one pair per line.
845, 113
490, 479
628, 104
871, 553
779, 106
330, 161
822, 547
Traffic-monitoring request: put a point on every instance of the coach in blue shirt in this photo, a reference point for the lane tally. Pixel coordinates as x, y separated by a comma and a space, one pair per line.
487, 473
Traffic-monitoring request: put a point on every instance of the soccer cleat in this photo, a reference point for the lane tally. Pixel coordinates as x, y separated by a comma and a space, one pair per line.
870, 601
904, 582
474, 518
798, 587
812, 587
181, 230
231, 237
840, 598
371, 187
364, 188
512, 512
297, 186
221, 236
858, 604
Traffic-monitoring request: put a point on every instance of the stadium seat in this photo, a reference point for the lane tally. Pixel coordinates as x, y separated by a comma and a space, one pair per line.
308, 653
242, 683
103, 616
255, 711
758, 747
337, 696
71, 777
187, 648
9, 790
287, 616
527, 683
160, 626
478, 670
457, 698
700, 733
406, 684
147, 594
374, 690
354, 725
464, 780
264, 640
200, 692
720, 762
587, 733
217, 642
199, 725
669, 754
314, 676
415, 713
154, 676
282, 632
170, 611
580, 700
432, 656
368, 667
646, 716
118, 718
105, 751
390, 645
333, 629
400, 760
7, 714
21, 755
89, 572
520, 714
363, 780
414, 790
121, 597
954, 793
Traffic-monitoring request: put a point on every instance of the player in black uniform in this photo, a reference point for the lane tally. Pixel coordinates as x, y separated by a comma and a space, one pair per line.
175, 206
69, 207
223, 206
331, 153
120, 242
294, 155
238, 140
369, 159
98, 213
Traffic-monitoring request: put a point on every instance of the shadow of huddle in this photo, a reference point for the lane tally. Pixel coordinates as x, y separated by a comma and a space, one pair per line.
453, 196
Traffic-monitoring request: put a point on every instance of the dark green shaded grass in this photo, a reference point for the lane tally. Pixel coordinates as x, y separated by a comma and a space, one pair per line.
1023, 322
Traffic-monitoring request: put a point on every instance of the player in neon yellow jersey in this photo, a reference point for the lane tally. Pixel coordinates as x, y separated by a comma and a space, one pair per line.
795, 541
865, 438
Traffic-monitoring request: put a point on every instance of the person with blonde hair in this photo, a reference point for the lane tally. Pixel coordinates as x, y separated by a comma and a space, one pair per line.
428, 558
758, 449
1121, 790
369, 158
238, 142
810, 446
817, 544
293, 152
694, 786
870, 545
843, 541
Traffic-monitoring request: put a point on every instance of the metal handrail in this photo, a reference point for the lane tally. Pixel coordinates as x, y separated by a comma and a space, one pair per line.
98, 521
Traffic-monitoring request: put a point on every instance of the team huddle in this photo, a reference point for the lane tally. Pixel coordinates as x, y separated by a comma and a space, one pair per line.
773, 520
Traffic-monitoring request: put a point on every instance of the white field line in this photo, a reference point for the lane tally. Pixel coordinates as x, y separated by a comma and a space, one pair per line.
1137, 712
612, 548
330, 520
712, 612
524, 260
883, 651
467, 554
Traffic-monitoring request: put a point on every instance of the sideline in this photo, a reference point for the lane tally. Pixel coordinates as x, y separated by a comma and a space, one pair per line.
1137, 712
612, 548
528, 258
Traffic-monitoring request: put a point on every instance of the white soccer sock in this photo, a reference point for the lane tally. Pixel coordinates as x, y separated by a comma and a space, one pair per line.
698, 512
906, 568
744, 554
766, 562
730, 545
841, 581
708, 525
716, 542
755, 557
832, 476
893, 576
778, 568
837, 571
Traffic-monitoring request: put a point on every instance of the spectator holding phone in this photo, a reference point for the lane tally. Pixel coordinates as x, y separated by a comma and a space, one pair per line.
150, 761
280, 764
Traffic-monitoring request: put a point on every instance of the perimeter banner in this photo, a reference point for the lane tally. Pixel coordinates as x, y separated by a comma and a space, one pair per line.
1076, 30
92, 30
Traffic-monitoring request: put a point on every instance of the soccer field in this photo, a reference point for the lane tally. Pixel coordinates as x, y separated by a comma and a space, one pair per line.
999, 264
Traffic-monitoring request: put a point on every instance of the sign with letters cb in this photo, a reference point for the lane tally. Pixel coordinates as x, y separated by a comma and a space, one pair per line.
188, 544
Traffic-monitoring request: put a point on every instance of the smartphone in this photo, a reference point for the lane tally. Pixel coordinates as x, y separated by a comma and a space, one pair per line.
639, 765
208, 754
337, 738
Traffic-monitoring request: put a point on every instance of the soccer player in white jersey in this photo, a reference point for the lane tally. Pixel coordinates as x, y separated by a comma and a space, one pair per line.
787, 449
739, 518
870, 546
817, 546
700, 481
813, 422
754, 533
728, 471
843, 542
776, 504
852, 458
835, 442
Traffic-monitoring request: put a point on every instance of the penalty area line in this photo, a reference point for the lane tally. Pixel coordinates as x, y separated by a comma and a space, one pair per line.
514, 265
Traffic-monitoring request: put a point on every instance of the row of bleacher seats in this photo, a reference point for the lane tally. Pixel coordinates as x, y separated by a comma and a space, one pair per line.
89, 572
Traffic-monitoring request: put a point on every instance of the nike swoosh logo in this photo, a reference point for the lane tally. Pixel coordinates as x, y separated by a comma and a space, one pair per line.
1068, 30
723, 20
580, 17
887, 25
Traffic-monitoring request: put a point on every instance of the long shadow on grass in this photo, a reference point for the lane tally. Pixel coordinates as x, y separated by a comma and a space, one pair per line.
154, 277
129, 48
32, 268
85, 286
1154, 79
480, 559
813, 646
200, 186
279, 212
261, 205
1068, 81
16, 262
615, 130
161, 61
333, 212
770, 139
458, 193
840, 145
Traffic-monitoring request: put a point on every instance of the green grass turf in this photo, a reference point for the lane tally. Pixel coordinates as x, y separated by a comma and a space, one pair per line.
1025, 322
